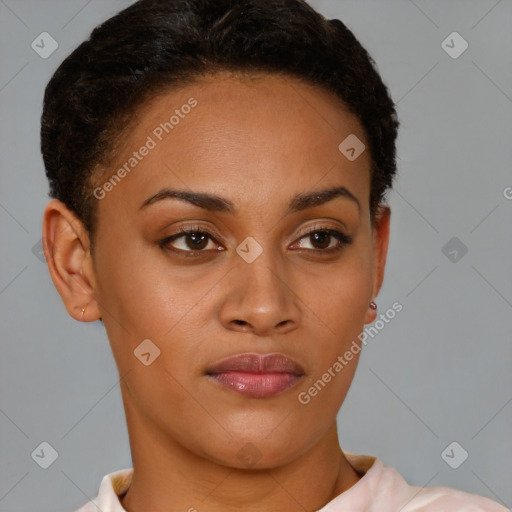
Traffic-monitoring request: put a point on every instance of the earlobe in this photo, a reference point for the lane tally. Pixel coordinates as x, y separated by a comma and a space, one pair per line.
67, 252
371, 314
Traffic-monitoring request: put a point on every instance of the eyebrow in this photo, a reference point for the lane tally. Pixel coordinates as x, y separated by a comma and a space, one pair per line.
214, 203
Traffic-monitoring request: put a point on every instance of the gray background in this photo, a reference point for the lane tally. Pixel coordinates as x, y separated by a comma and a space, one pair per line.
439, 372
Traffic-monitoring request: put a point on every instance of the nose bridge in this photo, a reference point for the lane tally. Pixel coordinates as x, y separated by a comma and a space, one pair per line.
260, 297
263, 279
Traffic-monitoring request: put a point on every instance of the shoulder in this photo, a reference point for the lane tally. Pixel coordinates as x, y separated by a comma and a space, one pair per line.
443, 499
384, 489
111, 487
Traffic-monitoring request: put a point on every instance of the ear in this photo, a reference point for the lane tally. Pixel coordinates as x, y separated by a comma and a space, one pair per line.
380, 251
67, 251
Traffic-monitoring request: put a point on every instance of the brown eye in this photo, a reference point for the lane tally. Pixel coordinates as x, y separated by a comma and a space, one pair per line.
321, 239
190, 240
325, 240
196, 241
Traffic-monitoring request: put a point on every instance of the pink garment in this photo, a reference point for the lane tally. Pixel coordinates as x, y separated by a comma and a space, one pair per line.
381, 489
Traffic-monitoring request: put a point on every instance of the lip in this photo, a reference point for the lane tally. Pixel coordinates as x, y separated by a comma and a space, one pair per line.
256, 375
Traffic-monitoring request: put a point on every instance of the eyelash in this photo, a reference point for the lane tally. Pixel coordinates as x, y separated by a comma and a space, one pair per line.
342, 238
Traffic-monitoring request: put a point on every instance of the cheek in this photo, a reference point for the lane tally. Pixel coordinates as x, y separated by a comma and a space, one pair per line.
341, 295
136, 288
143, 296
334, 347
340, 299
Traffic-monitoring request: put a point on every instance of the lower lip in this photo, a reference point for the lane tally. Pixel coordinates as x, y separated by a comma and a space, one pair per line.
256, 385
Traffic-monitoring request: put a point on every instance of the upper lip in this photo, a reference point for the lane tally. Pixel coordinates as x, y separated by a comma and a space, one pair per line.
257, 363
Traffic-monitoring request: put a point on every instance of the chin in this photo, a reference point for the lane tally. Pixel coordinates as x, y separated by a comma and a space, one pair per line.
254, 455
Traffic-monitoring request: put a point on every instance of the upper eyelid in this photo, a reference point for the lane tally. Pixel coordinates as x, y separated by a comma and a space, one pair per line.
319, 227
210, 233
198, 229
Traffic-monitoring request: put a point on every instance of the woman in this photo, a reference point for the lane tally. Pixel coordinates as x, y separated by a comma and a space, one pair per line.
219, 172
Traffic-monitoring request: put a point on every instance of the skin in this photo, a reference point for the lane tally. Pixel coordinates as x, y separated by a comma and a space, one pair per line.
256, 141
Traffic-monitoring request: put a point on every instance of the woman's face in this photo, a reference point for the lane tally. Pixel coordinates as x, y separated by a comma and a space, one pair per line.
260, 276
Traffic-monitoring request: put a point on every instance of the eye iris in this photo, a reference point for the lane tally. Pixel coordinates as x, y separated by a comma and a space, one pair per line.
197, 240
322, 238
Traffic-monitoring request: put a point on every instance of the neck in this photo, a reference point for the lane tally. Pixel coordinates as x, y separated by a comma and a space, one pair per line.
168, 477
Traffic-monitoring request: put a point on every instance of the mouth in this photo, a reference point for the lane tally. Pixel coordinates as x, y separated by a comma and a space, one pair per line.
256, 375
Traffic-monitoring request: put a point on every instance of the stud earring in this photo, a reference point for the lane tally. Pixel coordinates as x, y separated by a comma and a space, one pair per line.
373, 305
83, 311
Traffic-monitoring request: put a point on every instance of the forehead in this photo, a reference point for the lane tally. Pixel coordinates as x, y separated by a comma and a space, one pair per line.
229, 134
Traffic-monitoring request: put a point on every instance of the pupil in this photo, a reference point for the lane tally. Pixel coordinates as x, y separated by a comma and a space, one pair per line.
321, 238
197, 240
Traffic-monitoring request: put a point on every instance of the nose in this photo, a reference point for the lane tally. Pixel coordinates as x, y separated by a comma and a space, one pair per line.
260, 298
